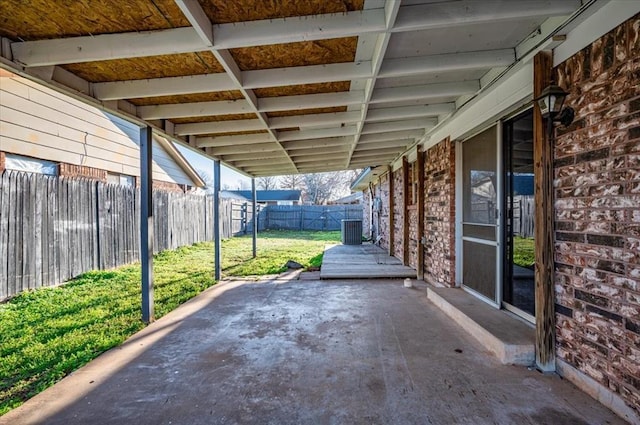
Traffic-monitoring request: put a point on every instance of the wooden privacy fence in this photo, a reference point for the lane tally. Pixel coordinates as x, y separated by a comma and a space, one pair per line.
307, 217
53, 229
523, 215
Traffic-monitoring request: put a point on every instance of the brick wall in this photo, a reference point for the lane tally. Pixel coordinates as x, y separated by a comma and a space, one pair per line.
597, 180
439, 211
165, 186
413, 236
398, 213
69, 170
382, 190
168, 186
365, 213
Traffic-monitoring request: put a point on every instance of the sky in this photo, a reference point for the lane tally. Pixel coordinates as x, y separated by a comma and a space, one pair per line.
204, 166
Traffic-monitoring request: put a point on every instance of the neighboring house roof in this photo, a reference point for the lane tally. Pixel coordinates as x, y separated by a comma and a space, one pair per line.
268, 195
354, 198
231, 194
175, 154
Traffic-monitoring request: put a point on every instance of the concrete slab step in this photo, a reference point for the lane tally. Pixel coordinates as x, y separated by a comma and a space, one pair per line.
351, 271
364, 261
511, 339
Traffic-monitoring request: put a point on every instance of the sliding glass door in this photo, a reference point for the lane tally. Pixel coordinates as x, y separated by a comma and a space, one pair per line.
518, 253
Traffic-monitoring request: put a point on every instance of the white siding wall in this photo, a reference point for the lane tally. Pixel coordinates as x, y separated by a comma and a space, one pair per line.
42, 123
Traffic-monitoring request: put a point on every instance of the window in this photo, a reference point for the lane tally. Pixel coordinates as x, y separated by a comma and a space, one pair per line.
30, 165
121, 179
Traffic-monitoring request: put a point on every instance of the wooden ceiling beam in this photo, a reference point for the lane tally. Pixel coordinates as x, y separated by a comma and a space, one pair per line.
368, 160
294, 153
296, 29
270, 170
107, 47
219, 127
169, 86
322, 167
487, 59
234, 79
313, 120
382, 145
262, 162
309, 101
392, 135
198, 18
403, 112
253, 156
235, 140
378, 52
194, 109
425, 92
377, 152
306, 161
382, 127
469, 12
240, 149
286, 136
202, 36
318, 143
310, 74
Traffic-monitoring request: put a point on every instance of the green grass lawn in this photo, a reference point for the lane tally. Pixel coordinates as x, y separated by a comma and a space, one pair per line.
524, 251
275, 248
48, 333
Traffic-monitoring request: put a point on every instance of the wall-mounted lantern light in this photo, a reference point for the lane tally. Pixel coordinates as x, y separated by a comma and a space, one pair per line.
550, 101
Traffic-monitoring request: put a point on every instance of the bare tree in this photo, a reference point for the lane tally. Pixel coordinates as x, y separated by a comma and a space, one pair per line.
292, 181
267, 183
321, 188
207, 177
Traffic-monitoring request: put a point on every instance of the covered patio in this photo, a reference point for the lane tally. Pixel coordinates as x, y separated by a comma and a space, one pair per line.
307, 352
395, 88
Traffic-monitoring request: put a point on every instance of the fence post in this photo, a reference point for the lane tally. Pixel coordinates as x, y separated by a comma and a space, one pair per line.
98, 261
243, 216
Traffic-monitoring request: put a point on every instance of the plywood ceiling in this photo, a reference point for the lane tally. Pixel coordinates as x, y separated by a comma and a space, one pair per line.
277, 87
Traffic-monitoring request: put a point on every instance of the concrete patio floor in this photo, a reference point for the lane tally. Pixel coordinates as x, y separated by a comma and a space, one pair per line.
307, 352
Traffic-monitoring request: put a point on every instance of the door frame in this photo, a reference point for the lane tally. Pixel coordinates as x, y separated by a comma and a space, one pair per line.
459, 205
507, 306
